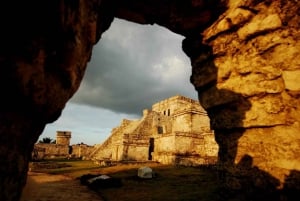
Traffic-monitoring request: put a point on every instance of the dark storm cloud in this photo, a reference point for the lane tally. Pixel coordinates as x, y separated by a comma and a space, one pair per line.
134, 66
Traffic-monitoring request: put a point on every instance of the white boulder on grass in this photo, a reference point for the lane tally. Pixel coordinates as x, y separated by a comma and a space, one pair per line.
98, 177
145, 173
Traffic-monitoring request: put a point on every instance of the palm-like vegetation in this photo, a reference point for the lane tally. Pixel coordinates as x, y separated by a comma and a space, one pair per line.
47, 140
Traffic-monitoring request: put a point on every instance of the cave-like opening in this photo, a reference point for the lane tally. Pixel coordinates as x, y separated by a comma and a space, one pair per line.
132, 67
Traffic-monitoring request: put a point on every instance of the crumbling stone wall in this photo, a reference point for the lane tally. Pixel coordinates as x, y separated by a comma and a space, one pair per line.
135, 148
185, 148
81, 151
61, 147
54, 150
181, 107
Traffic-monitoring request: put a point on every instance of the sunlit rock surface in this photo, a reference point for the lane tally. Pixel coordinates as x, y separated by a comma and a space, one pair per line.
245, 71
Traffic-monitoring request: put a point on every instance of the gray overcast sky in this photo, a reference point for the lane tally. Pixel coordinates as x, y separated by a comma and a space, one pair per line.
132, 67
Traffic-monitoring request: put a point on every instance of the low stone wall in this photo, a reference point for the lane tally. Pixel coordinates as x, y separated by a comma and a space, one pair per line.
184, 160
54, 150
137, 152
136, 147
184, 148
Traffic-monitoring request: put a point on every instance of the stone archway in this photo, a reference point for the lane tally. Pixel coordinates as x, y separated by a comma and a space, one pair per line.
245, 60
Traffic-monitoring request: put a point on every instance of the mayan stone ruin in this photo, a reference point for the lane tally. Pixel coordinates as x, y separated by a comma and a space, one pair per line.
175, 131
245, 58
61, 148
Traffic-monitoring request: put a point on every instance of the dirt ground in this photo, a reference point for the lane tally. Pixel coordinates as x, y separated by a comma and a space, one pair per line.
46, 187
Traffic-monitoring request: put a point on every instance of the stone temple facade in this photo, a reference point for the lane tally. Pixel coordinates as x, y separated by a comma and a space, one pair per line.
175, 131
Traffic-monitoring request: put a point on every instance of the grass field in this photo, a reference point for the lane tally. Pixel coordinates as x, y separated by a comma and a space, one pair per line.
170, 183
71, 168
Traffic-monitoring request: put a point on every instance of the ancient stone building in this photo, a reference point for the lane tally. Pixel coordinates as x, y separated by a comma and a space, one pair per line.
63, 137
61, 148
174, 131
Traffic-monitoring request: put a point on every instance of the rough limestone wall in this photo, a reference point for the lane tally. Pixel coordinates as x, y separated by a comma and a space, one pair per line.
185, 149
200, 123
210, 147
187, 143
162, 121
136, 149
182, 122
246, 70
45, 46
82, 151
164, 146
54, 150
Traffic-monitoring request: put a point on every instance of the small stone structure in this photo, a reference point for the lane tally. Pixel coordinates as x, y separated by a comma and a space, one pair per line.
176, 131
61, 149
63, 137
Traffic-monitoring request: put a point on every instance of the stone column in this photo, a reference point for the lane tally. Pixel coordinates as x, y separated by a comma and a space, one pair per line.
246, 69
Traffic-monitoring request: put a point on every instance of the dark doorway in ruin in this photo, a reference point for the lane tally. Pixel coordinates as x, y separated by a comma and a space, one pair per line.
151, 148
70, 149
160, 130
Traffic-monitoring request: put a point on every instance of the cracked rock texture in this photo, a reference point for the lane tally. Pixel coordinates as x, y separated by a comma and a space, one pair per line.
246, 74
245, 67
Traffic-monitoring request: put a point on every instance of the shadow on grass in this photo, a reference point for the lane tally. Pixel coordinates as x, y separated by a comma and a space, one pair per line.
169, 183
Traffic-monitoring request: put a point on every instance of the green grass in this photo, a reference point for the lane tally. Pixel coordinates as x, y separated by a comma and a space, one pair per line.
171, 183
71, 168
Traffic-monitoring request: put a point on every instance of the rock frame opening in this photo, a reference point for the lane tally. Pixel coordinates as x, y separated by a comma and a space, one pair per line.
238, 50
